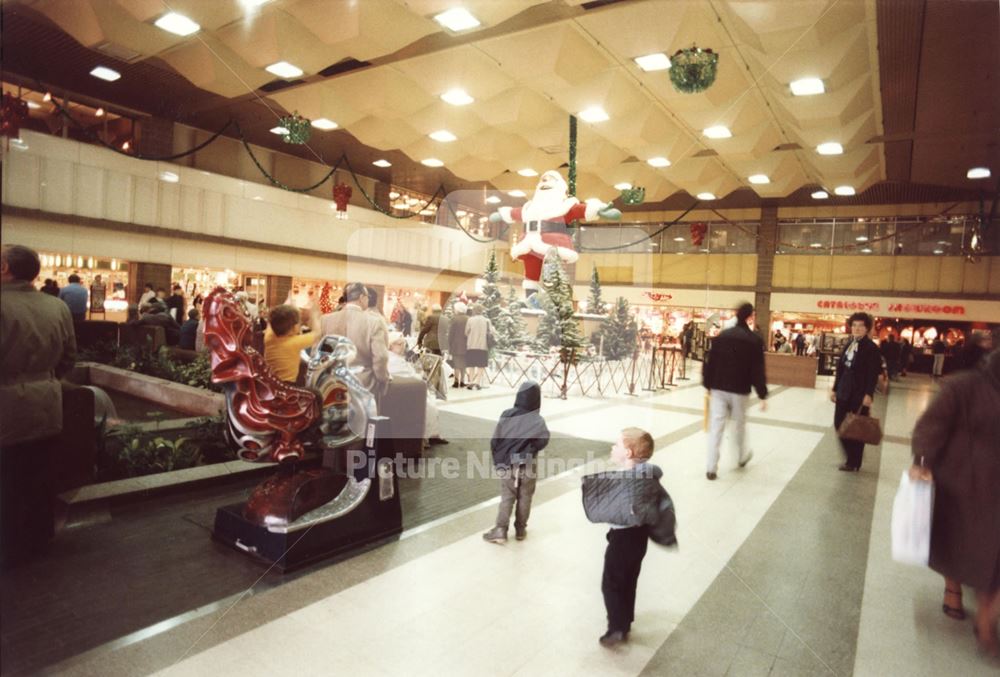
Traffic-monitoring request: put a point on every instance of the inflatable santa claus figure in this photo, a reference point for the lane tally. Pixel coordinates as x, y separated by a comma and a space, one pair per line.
545, 217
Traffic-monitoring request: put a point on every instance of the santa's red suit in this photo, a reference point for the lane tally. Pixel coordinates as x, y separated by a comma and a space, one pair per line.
544, 228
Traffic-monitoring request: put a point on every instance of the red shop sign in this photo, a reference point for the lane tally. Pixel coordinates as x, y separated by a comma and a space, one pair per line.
656, 296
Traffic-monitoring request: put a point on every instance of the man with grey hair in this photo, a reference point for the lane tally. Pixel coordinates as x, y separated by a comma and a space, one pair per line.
368, 334
37, 347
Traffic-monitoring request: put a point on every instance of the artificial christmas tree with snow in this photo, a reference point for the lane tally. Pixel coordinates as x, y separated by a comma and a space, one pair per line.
618, 333
558, 327
490, 298
595, 304
511, 327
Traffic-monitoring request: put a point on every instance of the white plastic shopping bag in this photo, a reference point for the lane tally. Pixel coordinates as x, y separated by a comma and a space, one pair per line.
911, 521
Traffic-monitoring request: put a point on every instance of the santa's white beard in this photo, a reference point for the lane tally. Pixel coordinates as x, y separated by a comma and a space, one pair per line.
547, 204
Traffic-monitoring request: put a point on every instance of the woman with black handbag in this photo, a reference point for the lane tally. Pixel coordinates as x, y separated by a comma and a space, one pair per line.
858, 369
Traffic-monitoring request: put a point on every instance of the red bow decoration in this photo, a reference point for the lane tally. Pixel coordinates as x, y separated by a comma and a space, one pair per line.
698, 230
12, 114
341, 194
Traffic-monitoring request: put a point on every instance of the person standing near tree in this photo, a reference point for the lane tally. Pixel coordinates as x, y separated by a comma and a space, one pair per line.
458, 343
733, 366
37, 347
429, 326
858, 369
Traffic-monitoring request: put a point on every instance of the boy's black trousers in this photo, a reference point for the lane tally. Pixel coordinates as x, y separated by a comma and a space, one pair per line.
622, 562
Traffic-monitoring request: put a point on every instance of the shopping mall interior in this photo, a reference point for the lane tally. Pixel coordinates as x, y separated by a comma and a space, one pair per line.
605, 183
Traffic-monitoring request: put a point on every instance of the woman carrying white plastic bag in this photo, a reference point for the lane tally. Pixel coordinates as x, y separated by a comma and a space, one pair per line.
957, 438
912, 512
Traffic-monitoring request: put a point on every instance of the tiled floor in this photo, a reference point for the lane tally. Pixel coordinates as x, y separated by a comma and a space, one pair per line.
783, 569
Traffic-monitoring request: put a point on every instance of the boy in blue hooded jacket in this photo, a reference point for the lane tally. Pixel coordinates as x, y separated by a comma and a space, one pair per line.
520, 434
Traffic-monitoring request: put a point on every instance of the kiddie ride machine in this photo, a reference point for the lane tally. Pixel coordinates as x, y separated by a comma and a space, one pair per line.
301, 515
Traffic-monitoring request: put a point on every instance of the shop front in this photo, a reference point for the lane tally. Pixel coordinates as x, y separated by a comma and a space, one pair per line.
106, 281
919, 321
196, 283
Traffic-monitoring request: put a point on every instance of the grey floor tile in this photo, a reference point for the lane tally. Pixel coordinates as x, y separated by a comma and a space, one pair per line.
750, 663
765, 634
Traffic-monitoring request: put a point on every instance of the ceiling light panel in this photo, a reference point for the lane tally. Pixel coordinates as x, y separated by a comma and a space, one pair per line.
717, 132
593, 114
653, 62
705, 196
178, 24
658, 162
457, 97
382, 163
324, 124
759, 179
457, 19
830, 148
527, 172
807, 87
443, 135
820, 195
844, 190
105, 73
285, 70
978, 173
432, 162
278, 130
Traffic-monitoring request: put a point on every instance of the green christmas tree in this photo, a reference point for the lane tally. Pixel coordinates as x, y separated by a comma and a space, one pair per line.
511, 328
491, 299
595, 304
618, 332
558, 327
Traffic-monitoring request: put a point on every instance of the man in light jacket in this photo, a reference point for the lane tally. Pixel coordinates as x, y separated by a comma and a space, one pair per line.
37, 347
367, 332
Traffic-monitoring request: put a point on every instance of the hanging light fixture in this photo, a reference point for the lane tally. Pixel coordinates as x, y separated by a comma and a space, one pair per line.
90, 262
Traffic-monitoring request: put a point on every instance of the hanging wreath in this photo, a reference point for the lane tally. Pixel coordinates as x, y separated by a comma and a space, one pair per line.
634, 196
12, 116
698, 230
341, 195
297, 128
693, 69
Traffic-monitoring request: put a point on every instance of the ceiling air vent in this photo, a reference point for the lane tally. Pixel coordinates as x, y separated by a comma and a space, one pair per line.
707, 152
119, 52
788, 146
594, 4
555, 150
277, 85
343, 66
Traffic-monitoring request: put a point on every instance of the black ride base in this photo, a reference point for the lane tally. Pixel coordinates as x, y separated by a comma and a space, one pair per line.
376, 520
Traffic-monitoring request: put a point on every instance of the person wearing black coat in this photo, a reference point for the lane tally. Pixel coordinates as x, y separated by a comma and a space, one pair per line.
858, 369
734, 364
520, 434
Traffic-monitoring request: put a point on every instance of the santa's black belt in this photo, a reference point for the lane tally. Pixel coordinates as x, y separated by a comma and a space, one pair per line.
545, 226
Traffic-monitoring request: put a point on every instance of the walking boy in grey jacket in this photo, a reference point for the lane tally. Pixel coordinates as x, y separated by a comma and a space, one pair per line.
520, 434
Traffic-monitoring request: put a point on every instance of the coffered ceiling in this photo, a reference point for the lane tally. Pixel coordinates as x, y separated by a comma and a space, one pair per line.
379, 67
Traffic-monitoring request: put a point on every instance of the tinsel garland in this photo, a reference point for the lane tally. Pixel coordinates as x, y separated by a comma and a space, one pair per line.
693, 69
571, 181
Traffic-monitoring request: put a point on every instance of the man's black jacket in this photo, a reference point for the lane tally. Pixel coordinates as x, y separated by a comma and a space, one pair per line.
736, 362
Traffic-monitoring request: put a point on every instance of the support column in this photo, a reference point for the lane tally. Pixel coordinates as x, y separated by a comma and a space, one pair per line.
766, 245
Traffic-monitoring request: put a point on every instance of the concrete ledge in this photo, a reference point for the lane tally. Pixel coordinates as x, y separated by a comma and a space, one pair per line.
187, 399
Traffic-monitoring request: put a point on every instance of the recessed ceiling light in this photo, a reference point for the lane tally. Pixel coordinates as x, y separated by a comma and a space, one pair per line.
816, 245
679, 238
705, 196
457, 19
457, 97
493, 199
829, 148
105, 73
653, 62
99, 113
382, 163
866, 250
717, 132
807, 87
47, 97
861, 238
258, 198
527, 171
939, 251
169, 177
622, 186
279, 130
759, 178
658, 162
844, 190
593, 114
34, 106
255, 3
432, 162
283, 69
820, 195
178, 24
324, 124
516, 193
443, 135
978, 173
